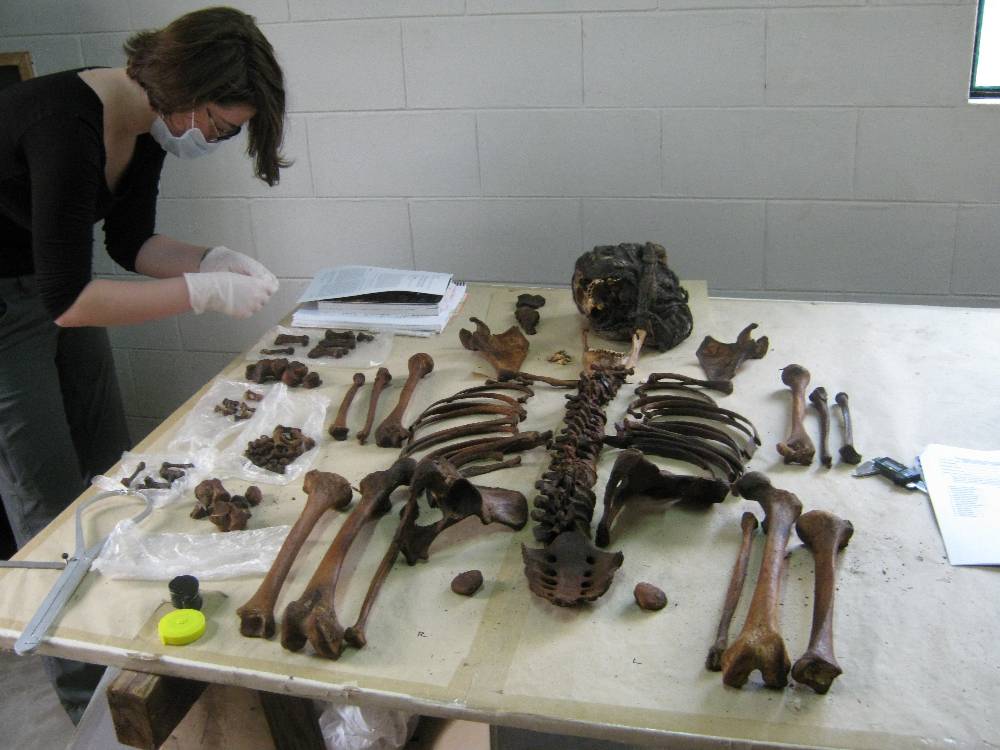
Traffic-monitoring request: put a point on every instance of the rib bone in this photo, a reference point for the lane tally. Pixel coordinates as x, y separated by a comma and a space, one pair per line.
759, 645
825, 534
818, 399
713, 662
382, 379
324, 491
798, 447
391, 433
338, 430
847, 450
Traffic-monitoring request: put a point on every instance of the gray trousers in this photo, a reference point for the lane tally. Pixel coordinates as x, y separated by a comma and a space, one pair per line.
61, 422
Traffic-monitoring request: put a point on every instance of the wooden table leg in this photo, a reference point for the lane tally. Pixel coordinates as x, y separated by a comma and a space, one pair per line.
145, 708
293, 722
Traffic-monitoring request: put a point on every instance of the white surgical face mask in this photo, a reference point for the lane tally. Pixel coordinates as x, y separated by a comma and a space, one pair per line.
190, 145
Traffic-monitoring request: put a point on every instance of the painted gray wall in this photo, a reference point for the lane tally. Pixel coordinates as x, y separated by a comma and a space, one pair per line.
777, 148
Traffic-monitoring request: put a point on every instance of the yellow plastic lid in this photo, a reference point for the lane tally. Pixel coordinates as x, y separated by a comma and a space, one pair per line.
181, 626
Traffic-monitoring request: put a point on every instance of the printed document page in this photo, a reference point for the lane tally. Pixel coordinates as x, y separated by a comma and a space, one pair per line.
351, 281
964, 486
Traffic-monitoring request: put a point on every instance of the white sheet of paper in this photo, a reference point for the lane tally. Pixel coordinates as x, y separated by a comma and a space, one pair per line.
964, 486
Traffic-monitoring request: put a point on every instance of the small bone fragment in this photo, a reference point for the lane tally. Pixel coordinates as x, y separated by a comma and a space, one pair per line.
283, 350
338, 430
382, 379
713, 662
127, 481
527, 318
534, 301
798, 447
250, 395
560, 357
720, 361
467, 583
285, 338
818, 399
391, 433
848, 453
325, 491
825, 534
649, 597
759, 645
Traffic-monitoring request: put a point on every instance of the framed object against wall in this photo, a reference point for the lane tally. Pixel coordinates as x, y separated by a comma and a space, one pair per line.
14, 67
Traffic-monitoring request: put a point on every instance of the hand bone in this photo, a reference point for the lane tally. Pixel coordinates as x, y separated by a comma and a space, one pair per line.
759, 645
825, 534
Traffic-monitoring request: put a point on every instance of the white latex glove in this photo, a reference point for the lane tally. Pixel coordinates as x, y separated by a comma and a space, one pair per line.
221, 258
226, 292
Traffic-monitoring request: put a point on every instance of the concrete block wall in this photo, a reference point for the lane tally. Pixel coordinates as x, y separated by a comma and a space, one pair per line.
777, 148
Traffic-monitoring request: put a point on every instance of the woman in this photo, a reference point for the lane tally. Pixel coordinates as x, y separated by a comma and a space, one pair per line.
81, 146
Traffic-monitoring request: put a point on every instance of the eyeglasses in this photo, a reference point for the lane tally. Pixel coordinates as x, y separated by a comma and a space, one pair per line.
219, 135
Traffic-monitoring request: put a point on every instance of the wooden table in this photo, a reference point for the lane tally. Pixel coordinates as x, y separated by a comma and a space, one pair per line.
917, 638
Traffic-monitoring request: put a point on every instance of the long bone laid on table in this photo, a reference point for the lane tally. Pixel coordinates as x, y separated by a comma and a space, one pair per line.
759, 644
338, 430
798, 447
848, 453
324, 490
635, 475
713, 662
818, 399
825, 534
382, 378
391, 433
313, 617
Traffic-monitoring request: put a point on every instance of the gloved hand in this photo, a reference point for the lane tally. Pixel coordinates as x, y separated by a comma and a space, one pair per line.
231, 293
221, 258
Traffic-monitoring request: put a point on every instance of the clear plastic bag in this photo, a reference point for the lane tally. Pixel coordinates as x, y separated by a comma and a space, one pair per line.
203, 463
289, 407
204, 427
366, 354
347, 727
129, 552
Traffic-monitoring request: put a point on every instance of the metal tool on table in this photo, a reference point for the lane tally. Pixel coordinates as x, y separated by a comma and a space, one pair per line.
74, 569
911, 478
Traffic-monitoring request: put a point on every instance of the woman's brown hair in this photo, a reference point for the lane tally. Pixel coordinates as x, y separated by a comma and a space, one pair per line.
215, 55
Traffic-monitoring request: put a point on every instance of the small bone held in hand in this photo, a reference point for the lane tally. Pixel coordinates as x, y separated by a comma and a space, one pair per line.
467, 583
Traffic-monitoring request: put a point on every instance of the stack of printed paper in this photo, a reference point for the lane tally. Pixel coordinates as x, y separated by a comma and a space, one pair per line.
380, 299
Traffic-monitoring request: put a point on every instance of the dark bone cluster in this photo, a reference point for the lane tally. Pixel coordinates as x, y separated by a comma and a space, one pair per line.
629, 287
293, 374
275, 451
566, 499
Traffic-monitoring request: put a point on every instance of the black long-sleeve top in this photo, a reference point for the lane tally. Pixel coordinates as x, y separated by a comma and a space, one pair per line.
53, 189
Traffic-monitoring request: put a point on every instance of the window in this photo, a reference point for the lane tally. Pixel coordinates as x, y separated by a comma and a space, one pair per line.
986, 59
